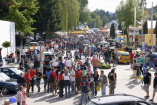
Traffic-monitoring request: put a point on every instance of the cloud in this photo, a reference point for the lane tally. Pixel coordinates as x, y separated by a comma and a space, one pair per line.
111, 5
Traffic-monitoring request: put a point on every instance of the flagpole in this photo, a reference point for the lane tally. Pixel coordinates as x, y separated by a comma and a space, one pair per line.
142, 20
134, 26
152, 27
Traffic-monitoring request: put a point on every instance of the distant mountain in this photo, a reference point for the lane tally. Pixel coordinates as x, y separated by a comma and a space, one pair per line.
150, 9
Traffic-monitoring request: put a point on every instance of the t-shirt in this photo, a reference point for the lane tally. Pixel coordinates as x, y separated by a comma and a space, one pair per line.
106, 54
21, 64
55, 64
68, 63
95, 78
111, 77
155, 82
146, 78
66, 77
131, 55
32, 73
72, 73
103, 79
38, 74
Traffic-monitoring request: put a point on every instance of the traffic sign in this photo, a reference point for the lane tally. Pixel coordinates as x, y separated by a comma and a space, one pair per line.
140, 60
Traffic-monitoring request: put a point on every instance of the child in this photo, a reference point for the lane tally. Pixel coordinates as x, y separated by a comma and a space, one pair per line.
24, 95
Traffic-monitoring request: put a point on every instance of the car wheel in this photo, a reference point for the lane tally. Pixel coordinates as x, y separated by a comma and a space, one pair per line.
4, 91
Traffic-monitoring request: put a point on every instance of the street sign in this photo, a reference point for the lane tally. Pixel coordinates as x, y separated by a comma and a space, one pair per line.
140, 60
143, 47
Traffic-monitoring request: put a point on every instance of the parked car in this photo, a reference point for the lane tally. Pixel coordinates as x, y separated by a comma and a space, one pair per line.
7, 84
48, 43
33, 45
120, 99
123, 57
12, 72
147, 58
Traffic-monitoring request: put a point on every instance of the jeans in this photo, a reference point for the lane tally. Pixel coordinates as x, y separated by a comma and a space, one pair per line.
85, 54
48, 85
80, 56
92, 89
151, 64
103, 89
45, 83
72, 86
38, 84
67, 91
86, 97
18, 60
96, 84
32, 84
112, 87
94, 68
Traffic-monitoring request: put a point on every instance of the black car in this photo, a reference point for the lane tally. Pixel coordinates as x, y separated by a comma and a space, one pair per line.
7, 84
119, 99
12, 72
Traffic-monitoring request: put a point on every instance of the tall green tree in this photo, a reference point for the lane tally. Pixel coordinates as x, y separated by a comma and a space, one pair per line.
145, 28
120, 27
112, 31
125, 12
20, 12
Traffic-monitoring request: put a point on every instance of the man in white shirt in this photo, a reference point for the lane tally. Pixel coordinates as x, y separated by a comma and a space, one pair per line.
68, 63
55, 63
56, 46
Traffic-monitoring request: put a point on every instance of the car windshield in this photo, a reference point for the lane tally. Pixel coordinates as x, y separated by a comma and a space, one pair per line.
48, 42
91, 103
4, 77
16, 70
33, 44
125, 54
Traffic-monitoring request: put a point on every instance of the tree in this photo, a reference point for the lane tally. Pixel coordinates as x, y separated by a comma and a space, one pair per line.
85, 15
125, 12
6, 44
112, 31
156, 29
120, 27
145, 28
105, 18
20, 12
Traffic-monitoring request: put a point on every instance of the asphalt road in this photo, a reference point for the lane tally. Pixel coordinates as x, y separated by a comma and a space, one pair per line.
125, 85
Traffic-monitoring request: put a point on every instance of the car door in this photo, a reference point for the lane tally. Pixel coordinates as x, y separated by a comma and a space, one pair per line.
8, 72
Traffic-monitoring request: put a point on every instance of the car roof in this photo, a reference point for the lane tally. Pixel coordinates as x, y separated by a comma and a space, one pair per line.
8, 67
115, 99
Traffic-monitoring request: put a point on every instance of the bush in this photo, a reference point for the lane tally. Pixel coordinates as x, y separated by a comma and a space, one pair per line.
102, 66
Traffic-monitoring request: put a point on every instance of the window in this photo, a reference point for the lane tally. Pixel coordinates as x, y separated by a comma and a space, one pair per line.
7, 71
91, 103
125, 54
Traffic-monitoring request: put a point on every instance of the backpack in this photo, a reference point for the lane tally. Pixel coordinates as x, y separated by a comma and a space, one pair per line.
51, 79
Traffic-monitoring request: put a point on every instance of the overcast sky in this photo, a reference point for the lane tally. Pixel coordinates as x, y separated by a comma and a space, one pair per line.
111, 5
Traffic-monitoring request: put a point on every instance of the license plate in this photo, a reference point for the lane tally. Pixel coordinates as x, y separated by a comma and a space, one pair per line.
126, 58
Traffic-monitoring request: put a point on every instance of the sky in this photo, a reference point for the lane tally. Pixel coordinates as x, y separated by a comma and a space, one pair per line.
111, 5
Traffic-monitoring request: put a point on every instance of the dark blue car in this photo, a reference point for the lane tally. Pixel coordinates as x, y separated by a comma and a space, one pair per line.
7, 84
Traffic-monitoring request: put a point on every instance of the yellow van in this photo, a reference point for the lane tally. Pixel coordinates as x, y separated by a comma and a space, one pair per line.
123, 57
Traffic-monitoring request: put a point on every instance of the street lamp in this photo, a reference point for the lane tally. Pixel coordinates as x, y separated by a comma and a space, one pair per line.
123, 30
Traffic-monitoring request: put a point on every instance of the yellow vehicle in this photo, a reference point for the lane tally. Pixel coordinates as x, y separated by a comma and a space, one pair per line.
123, 57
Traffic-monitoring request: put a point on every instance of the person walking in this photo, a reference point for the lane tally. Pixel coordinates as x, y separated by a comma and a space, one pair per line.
151, 61
134, 67
38, 79
112, 81
61, 83
24, 95
52, 81
131, 55
114, 58
36, 64
104, 81
72, 76
147, 81
154, 86
78, 75
21, 80
94, 63
84, 90
91, 81
48, 81
28, 79
20, 97
32, 77
96, 78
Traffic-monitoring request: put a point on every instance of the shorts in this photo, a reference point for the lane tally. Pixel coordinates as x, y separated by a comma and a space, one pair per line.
131, 61
155, 90
135, 73
146, 87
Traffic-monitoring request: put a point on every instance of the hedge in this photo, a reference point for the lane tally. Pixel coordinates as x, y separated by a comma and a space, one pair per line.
102, 66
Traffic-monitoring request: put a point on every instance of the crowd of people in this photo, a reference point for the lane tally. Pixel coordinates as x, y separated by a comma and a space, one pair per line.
73, 68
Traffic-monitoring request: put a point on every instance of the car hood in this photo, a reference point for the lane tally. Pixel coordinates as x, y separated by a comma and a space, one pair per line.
11, 81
